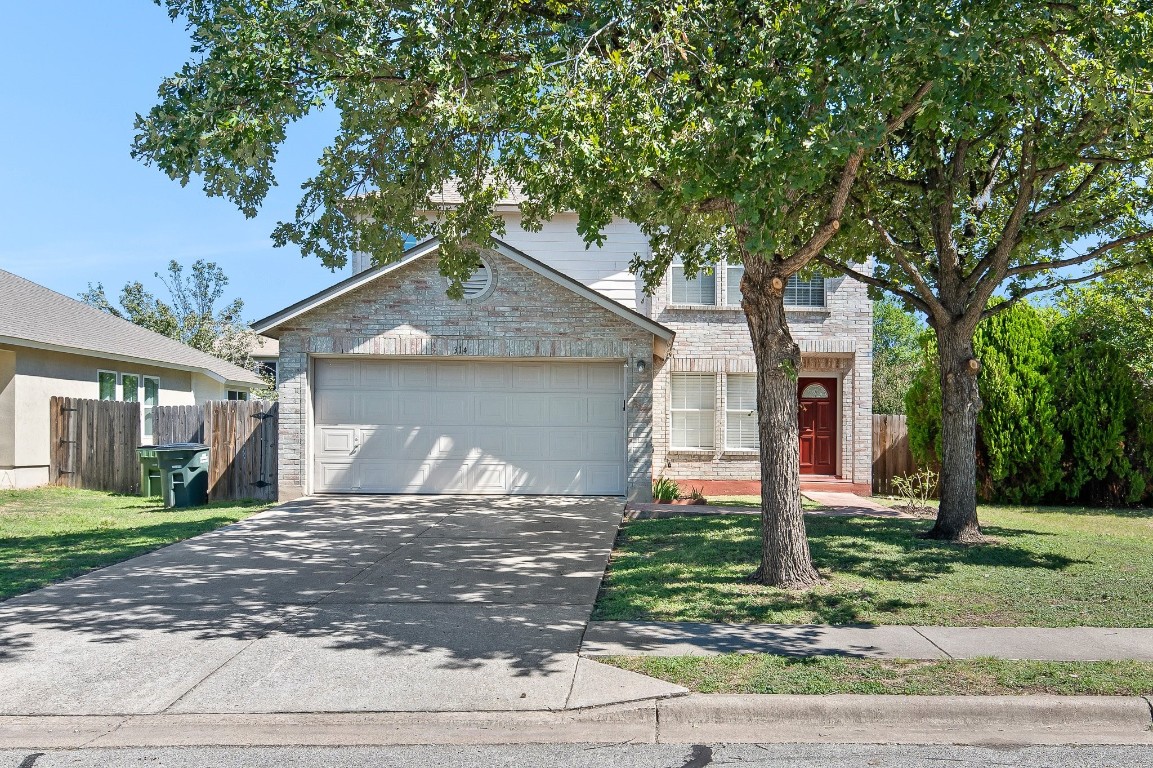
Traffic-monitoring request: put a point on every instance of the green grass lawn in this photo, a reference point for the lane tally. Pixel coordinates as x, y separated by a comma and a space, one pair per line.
759, 673
1051, 567
49, 534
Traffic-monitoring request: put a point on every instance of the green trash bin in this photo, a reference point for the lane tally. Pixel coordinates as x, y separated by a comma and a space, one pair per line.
177, 471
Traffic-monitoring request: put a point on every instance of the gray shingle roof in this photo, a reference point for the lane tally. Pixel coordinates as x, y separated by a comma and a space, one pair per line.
37, 316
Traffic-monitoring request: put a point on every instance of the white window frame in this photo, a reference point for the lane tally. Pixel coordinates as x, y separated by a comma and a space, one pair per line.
734, 415
124, 389
729, 282
824, 294
148, 426
240, 394
677, 268
115, 385
711, 420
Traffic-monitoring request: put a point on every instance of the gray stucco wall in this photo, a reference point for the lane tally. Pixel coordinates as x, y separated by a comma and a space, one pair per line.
406, 313
835, 341
38, 376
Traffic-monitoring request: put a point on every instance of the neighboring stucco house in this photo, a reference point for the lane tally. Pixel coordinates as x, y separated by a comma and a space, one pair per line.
555, 374
51, 345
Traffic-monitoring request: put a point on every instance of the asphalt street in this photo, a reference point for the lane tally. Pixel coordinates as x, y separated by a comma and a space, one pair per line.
590, 756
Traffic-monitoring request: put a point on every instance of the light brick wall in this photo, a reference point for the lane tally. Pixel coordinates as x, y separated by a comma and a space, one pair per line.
406, 313
835, 341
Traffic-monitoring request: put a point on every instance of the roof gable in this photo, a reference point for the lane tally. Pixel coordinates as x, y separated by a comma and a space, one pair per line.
270, 324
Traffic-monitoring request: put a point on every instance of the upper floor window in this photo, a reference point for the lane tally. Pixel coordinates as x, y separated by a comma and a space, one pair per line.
692, 289
798, 292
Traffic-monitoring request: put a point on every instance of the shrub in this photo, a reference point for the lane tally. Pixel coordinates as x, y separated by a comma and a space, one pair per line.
1019, 446
1107, 417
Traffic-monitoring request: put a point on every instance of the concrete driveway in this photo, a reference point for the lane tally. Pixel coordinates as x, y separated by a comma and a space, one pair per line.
332, 604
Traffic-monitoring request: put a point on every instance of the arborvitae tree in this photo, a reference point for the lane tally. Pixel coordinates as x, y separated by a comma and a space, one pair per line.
1106, 417
1019, 446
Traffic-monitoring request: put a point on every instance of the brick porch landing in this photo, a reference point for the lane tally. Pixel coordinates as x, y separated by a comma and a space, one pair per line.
753, 487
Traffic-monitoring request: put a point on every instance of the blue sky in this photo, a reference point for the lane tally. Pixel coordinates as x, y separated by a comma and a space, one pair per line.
75, 208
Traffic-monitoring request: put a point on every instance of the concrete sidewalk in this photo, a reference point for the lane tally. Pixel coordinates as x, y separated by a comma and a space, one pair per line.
639, 638
696, 719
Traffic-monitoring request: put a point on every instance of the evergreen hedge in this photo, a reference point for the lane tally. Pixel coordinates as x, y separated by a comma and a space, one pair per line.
1064, 417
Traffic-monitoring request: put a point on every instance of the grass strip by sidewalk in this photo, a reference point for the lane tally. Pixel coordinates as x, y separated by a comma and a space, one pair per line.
1047, 567
49, 534
762, 673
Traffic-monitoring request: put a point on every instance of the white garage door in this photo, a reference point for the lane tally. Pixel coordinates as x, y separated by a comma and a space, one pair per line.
449, 426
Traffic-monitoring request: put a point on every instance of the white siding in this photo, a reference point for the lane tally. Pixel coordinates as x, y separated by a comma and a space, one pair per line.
604, 269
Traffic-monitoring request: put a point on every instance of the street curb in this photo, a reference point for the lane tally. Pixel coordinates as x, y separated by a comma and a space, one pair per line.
690, 719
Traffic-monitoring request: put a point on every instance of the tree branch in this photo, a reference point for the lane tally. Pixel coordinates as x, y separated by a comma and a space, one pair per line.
1072, 261
876, 282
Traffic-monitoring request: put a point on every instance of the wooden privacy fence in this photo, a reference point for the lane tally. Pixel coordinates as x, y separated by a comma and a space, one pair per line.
892, 456
241, 436
94, 444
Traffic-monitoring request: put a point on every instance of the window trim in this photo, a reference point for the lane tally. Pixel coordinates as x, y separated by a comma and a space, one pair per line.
145, 409
730, 410
124, 392
247, 395
678, 264
673, 447
115, 385
822, 307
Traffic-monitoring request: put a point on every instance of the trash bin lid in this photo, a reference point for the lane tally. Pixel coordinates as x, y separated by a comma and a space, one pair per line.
180, 447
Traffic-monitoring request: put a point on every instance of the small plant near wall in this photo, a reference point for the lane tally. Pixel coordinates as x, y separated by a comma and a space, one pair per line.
665, 491
915, 490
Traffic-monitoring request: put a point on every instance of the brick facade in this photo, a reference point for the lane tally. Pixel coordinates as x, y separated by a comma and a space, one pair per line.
406, 313
835, 341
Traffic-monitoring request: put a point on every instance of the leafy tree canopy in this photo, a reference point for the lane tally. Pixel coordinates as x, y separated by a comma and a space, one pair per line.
191, 316
1119, 309
897, 354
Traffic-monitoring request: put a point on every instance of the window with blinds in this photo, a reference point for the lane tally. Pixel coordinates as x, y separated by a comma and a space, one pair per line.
693, 405
692, 289
798, 292
741, 412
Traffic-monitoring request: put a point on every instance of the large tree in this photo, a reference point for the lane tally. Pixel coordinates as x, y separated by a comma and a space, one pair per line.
897, 354
728, 131
193, 315
1028, 170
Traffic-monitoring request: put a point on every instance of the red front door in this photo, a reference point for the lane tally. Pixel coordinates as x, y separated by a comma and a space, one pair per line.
818, 425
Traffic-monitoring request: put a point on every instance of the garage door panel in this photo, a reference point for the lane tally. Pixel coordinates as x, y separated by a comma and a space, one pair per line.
338, 474
453, 376
376, 408
335, 407
530, 410
567, 411
452, 409
603, 445
444, 426
605, 410
491, 409
415, 375
603, 378
530, 377
336, 440
331, 374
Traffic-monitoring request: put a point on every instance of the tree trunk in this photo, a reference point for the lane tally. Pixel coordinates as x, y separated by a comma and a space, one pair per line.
960, 402
785, 558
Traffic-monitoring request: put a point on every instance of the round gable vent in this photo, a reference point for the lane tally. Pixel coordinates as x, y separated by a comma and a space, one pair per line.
479, 282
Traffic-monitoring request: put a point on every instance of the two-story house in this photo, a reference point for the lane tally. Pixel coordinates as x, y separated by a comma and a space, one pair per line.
555, 374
